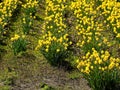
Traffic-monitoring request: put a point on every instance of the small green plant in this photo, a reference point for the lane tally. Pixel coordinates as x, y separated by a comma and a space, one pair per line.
7, 79
18, 44
74, 75
46, 87
29, 10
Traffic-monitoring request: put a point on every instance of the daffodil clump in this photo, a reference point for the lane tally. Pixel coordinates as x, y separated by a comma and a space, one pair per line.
100, 69
6, 9
113, 17
30, 6
102, 61
19, 44
29, 10
54, 42
27, 22
93, 21
54, 49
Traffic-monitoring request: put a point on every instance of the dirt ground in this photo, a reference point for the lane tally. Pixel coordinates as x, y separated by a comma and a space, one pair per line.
33, 73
